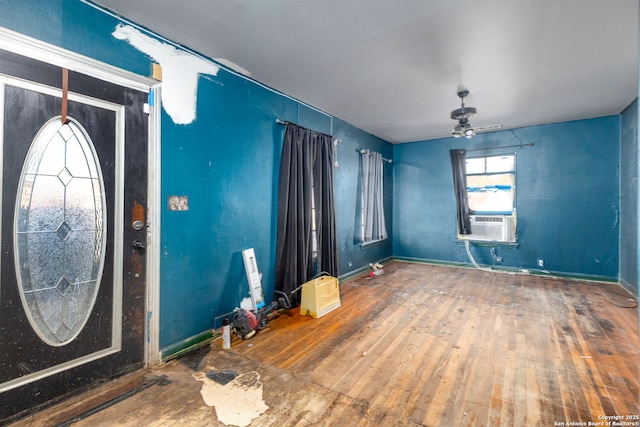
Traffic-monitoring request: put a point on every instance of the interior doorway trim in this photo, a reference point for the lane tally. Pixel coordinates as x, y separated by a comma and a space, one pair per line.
153, 355
29, 47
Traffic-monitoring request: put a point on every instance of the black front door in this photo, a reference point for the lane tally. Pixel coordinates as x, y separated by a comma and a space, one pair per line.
72, 267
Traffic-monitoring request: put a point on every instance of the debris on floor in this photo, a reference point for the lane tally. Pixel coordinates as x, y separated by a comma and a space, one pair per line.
222, 377
237, 398
376, 269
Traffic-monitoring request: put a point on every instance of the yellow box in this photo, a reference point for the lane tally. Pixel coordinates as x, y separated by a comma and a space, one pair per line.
320, 296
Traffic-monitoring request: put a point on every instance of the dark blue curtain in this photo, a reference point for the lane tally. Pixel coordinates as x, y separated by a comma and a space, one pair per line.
305, 171
459, 170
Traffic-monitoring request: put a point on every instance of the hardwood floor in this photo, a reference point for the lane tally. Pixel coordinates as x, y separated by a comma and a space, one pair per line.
425, 345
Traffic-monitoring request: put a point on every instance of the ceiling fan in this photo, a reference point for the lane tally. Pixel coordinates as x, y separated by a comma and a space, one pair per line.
462, 115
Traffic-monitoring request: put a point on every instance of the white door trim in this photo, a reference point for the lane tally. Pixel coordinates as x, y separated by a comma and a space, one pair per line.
51, 54
153, 355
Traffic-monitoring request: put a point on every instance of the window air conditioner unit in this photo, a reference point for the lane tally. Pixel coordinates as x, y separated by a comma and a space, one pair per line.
492, 228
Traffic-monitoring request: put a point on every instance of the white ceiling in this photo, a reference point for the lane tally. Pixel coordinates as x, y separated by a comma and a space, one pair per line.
393, 67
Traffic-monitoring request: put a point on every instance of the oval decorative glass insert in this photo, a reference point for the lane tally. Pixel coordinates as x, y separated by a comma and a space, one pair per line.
60, 231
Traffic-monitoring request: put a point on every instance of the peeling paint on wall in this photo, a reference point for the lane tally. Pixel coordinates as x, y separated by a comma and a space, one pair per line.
180, 71
238, 401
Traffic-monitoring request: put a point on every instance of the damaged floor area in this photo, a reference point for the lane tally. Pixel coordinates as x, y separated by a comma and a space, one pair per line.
208, 387
420, 345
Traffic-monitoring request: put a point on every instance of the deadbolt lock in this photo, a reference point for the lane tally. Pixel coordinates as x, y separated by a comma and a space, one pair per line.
139, 244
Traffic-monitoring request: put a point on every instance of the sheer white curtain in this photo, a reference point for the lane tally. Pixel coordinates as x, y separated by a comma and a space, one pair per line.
373, 222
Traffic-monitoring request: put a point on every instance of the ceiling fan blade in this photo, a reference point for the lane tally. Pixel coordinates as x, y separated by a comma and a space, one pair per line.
487, 127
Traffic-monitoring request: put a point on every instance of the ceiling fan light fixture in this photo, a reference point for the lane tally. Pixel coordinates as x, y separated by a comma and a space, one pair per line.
457, 131
462, 115
469, 132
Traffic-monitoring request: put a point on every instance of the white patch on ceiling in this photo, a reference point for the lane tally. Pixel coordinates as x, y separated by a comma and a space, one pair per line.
180, 72
237, 402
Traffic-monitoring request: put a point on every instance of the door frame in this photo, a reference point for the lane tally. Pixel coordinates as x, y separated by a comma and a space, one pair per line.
32, 48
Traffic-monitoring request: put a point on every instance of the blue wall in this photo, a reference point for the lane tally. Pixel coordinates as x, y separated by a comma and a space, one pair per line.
226, 162
567, 198
629, 259
350, 254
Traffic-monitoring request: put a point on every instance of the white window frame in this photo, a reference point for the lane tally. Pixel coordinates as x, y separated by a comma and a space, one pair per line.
493, 225
488, 171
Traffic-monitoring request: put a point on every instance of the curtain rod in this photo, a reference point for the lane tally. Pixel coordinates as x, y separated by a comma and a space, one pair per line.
286, 122
363, 151
531, 144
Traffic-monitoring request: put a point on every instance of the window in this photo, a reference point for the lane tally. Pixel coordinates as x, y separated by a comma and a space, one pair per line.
314, 232
60, 231
491, 184
491, 190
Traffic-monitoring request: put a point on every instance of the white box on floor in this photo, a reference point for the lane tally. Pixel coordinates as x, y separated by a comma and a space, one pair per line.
320, 296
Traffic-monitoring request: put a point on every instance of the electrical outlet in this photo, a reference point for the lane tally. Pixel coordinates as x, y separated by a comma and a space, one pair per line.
540, 263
